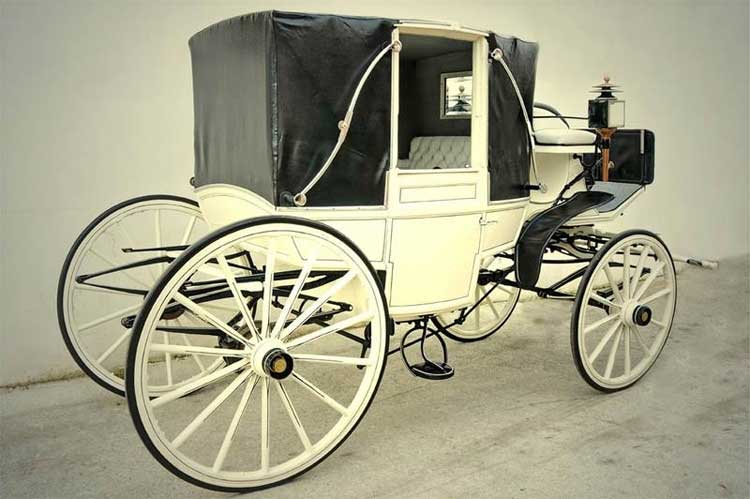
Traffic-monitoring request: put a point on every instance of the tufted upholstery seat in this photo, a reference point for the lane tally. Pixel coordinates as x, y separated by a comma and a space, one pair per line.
442, 152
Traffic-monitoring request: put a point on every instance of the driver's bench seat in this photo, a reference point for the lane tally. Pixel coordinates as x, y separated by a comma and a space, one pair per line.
564, 137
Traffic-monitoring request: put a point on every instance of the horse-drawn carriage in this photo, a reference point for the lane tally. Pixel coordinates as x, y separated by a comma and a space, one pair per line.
353, 174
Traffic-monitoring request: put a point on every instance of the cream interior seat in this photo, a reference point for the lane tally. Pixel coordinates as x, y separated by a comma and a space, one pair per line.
564, 137
426, 153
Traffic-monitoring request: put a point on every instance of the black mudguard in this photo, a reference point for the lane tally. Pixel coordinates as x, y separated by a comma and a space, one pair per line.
539, 230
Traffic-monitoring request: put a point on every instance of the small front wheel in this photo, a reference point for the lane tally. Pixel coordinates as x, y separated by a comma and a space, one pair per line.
305, 349
493, 305
623, 310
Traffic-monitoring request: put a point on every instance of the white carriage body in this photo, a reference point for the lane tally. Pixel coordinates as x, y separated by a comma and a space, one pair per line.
436, 227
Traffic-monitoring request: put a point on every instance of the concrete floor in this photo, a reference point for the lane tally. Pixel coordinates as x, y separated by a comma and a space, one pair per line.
515, 421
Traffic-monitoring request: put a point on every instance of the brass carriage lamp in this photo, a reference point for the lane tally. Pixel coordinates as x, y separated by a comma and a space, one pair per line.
606, 115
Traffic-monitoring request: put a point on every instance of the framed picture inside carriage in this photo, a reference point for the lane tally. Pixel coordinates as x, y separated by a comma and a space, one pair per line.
455, 95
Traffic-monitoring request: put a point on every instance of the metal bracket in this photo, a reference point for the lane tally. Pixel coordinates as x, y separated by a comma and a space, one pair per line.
483, 221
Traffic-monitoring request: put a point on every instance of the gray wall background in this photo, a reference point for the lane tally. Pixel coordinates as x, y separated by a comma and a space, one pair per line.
96, 107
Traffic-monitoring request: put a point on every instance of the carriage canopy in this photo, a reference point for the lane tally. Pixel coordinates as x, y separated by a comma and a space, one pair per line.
270, 88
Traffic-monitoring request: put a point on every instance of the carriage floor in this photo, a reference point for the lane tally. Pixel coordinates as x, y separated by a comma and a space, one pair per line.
515, 421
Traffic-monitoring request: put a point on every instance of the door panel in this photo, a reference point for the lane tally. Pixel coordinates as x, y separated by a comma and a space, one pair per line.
501, 227
433, 259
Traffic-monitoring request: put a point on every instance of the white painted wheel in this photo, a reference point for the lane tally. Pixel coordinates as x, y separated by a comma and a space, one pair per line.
623, 310
298, 381
492, 307
94, 297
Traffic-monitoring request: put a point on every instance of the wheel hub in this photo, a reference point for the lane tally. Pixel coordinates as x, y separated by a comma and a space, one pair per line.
278, 364
270, 359
642, 315
634, 314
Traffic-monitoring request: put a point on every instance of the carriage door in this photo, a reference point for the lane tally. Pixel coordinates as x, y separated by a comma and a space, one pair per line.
437, 185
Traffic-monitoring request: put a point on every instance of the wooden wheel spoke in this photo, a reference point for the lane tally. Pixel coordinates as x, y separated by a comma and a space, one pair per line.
477, 309
656, 296
612, 283
237, 294
168, 361
317, 304
293, 416
199, 383
109, 351
210, 318
645, 250
188, 230
649, 280
196, 350
603, 342
357, 319
210, 408
124, 233
106, 318
613, 354
332, 359
294, 294
503, 290
320, 394
219, 306
626, 273
600, 322
639, 339
211, 270
265, 451
253, 248
188, 343
157, 225
229, 435
599, 298
491, 304
267, 292
627, 351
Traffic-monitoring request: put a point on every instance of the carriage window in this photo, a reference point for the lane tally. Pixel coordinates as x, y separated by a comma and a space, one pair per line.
435, 90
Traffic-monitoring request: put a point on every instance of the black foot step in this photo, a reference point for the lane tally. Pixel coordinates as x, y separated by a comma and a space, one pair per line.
428, 369
432, 370
539, 230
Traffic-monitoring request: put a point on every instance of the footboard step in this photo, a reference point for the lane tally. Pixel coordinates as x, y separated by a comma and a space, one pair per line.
432, 370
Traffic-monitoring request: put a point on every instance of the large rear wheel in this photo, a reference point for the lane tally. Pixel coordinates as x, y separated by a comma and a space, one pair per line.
107, 273
305, 351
